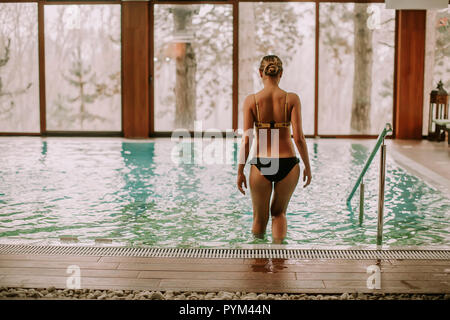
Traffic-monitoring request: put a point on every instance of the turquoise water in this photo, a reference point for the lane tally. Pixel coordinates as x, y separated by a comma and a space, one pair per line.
133, 193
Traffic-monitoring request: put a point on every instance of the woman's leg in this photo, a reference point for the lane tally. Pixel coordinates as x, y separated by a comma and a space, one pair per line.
260, 189
282, 194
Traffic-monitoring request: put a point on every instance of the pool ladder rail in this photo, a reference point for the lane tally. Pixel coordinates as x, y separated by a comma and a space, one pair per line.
359, 182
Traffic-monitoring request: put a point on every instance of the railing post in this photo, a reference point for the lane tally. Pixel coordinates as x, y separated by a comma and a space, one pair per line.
361, 202
381, 194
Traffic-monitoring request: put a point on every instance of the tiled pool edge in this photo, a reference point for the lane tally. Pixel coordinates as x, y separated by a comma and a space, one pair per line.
118, 243
224, 253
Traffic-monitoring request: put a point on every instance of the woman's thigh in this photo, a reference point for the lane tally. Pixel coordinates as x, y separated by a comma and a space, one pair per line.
283, 191
261, 190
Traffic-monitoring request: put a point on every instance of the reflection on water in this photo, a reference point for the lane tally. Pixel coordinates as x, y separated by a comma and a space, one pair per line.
138, 160
268, 265
132, 192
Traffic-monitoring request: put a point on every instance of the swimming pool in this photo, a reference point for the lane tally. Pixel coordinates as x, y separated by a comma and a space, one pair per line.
132, 192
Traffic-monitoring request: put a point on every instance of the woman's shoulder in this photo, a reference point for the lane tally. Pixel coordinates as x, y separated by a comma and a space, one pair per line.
261, 95
292, 94
292, 98
249, 98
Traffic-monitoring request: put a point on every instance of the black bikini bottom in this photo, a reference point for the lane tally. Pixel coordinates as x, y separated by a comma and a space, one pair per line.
274, 169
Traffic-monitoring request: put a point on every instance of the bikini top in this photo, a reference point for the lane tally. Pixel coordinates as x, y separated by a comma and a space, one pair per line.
272, 124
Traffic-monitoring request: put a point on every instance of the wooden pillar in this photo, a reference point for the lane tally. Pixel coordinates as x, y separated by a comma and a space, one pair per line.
41, 41
235, 65
410, 60
135, 69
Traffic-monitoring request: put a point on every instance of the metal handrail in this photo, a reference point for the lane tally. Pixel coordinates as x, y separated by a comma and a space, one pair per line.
380, 140
359, 181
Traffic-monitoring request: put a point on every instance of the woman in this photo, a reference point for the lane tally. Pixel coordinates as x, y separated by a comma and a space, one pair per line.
275, 166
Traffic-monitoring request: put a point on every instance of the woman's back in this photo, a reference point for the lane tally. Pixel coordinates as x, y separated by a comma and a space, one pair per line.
272, 113
272, 181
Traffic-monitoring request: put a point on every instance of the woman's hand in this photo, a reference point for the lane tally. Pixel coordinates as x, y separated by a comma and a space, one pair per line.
241, 179
307, 176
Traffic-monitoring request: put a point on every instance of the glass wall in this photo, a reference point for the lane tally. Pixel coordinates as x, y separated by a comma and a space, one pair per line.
83, 67
437, 57
19, 68
356, 67
288, 31
193, 66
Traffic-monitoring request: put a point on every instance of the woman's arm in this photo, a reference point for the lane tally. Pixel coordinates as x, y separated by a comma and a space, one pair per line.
246, 144
299, 138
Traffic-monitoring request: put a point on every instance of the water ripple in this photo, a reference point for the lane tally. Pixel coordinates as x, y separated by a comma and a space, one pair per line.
133, 192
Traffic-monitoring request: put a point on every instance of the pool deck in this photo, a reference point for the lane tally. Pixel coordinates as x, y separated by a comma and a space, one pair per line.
427, 159
213, 275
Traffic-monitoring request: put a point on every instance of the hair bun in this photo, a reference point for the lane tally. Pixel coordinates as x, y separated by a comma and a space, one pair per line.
271, 69
271, 65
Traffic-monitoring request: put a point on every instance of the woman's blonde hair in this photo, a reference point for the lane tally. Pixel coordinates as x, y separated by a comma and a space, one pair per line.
271, 65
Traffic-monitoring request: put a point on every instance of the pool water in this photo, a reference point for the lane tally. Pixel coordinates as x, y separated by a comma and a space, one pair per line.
134, 193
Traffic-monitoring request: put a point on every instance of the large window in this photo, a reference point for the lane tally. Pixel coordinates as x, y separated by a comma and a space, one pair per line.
83, 67
356, 67
288, 31
19, 68
193, 66
193, 63
437, 56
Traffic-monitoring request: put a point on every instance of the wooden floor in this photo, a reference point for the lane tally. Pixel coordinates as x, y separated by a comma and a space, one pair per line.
249, 275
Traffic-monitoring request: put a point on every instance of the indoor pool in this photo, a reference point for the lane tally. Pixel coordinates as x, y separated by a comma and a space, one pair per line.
134, 193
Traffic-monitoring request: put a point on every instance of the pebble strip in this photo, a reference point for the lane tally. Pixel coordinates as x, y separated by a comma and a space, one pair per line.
53, 293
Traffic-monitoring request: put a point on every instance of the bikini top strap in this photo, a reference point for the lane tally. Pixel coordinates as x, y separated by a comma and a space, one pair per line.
285, 108
257, 109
